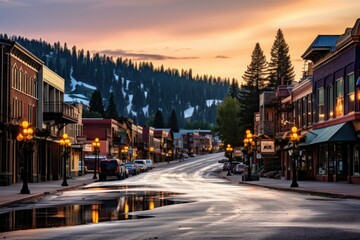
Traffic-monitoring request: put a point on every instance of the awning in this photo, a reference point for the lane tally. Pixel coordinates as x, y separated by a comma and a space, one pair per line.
310, 136
343, 132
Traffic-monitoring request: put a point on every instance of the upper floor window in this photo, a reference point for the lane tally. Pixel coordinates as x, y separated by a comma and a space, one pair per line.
330, 95
309, 109
320, 102
351, 93
303, 111
339, 97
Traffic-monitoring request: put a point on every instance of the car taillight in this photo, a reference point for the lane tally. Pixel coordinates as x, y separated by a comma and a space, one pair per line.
117, 168
99, 169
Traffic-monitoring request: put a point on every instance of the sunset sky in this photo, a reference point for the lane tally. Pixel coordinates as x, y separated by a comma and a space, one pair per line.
213, 37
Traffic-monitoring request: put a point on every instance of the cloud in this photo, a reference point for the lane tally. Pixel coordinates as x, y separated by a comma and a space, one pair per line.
221, 56
142, 56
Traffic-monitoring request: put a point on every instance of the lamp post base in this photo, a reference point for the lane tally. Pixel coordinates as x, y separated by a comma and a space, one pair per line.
64, 183
25, 190
294, 184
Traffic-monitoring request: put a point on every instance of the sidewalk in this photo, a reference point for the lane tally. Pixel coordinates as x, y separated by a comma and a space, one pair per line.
11, 194
329, 189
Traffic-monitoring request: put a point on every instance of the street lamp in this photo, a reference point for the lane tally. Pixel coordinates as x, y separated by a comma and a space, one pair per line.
66, 144
294, 138
25, 136
229, 150
248, 143
96, 146
124, 151
151, 149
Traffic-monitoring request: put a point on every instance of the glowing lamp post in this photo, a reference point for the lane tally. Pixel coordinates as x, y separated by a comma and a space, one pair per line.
229, 151
96, 146
124, 151
248, 143
151, 149
66, 144
25, 135
294, 138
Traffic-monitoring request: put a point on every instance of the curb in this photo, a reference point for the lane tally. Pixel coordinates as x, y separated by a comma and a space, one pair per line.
315, 193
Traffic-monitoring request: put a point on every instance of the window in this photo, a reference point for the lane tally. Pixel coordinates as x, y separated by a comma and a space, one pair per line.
330, 102
320, 101
309, 109
351, 93
303, 111
339, 97
356, 160
323, 159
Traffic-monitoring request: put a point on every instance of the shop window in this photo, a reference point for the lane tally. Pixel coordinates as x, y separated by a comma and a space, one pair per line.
323, 159
356, 161
339, 97
331, 158
340, 168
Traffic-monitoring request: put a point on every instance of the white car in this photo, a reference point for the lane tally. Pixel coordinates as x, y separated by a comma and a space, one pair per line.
149, 163
142, 164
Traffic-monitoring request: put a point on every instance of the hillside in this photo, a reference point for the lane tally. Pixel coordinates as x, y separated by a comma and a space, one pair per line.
139, 88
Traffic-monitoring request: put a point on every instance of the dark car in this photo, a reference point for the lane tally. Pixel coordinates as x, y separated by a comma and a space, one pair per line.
133, 168
223, 160
239, 168
111, 167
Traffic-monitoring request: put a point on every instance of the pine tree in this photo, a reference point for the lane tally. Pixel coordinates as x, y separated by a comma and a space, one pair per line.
256, 73
173, 122
234, 89
96, 103
280, 67
159, 120
254, 82
111, 111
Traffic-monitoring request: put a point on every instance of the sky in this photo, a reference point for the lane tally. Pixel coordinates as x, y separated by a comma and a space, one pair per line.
211, 37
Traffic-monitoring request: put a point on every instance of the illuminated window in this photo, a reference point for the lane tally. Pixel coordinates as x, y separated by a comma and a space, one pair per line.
320, 100
339, 97
351, 93
330, 102
309, 109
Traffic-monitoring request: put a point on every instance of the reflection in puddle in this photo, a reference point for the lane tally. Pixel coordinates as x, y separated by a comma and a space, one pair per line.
107, 210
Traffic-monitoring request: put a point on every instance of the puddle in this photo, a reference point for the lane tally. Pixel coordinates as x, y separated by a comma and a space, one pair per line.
101, 211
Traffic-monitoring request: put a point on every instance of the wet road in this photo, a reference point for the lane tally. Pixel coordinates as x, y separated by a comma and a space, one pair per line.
185, 200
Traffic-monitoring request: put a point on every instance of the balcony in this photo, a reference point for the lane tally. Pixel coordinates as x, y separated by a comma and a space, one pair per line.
60, 112
266, 127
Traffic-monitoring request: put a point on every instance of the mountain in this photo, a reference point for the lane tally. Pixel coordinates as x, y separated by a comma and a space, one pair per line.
139, 88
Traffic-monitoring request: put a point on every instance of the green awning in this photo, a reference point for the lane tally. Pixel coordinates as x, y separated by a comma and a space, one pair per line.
343, 132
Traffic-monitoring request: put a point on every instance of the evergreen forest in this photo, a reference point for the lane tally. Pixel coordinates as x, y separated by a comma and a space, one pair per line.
137, 89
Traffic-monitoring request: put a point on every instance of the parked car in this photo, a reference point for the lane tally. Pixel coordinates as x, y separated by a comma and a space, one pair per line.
133, 168
239, 168
149, 163
223, 160
127, 174
185, 155
192, 155
142, 164
111, 167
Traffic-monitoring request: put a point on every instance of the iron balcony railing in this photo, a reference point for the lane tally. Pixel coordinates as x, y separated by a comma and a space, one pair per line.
60, 111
